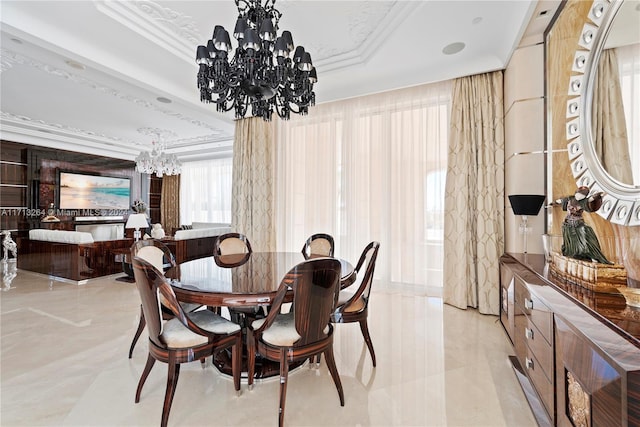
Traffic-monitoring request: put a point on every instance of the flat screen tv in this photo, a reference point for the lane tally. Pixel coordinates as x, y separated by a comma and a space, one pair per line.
79, 191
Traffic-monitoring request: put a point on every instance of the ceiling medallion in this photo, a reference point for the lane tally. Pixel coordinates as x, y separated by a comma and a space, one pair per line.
265, 72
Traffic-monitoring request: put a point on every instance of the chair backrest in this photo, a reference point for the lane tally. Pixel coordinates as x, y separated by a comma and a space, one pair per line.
316, 284
319, 244
368, 256
231, 243
155, 252
149, 280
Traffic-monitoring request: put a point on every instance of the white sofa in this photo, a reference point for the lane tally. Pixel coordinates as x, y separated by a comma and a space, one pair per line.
200, 232
209, 225
60, 236
196, 242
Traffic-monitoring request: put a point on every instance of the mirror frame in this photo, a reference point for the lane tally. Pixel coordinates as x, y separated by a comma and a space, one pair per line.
621, 202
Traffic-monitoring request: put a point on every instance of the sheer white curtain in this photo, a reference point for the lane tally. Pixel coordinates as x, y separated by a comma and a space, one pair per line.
629, 68
369, 168
205, 191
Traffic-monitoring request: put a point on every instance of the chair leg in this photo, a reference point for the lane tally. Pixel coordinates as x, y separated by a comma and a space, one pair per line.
284, 374
251, 358
367, 339
236, 362
145, 374
172, 382
141, 326
331, 364
317, 357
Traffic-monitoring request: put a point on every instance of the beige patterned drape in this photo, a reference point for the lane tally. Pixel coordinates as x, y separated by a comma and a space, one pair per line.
474, 196
170, 203
252, 194
609, 125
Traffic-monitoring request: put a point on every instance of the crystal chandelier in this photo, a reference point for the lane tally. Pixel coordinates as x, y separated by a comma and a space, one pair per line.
265, 72
157, 161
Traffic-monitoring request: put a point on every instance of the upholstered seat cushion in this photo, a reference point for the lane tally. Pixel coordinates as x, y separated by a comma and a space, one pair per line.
282, 331
176, 335
355, 306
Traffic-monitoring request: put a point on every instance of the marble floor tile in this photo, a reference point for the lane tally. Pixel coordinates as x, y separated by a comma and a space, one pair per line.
63, 362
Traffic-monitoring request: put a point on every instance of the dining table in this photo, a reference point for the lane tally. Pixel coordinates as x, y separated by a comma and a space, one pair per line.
243, 283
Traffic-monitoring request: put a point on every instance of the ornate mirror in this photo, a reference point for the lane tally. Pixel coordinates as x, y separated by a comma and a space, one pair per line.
603, 140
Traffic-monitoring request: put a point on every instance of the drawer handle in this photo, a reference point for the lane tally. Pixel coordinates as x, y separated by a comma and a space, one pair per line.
528, 333
528, 363
528, 304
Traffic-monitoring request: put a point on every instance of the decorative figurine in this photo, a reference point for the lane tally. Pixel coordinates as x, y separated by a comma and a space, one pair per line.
9, 272
8, 245
579, 241
157, 232
139, 206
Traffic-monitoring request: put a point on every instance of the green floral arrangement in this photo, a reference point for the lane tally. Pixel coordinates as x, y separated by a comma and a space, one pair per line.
139, 206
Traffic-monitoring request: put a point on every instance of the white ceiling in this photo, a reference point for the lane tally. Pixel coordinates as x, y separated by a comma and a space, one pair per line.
87, 74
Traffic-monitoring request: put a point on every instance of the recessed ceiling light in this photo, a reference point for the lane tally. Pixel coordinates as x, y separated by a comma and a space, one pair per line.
453, 48
163, 100
74, 64
15, 40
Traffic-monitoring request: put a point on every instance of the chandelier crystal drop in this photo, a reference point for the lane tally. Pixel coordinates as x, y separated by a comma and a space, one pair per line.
265, 71
158, 161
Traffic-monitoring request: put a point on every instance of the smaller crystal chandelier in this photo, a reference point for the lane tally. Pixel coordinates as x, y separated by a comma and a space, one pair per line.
265, 71
157, 161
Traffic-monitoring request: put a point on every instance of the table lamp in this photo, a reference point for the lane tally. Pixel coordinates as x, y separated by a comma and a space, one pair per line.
525, 205
137, 221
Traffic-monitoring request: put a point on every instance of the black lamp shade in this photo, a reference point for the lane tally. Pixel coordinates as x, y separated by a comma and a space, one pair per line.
526, 204
288, 38
297, 54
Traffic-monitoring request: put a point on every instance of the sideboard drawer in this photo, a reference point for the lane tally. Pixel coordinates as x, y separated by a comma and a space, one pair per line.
543, 386
533, 307
541, 349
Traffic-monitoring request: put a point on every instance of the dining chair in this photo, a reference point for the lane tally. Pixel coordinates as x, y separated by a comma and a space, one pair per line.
305, 330
160, 256
235, 244
319, 244
231, 243
353, 305
184, 338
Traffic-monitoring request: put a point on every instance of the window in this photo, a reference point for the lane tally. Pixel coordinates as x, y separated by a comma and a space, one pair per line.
369, 168
205, 191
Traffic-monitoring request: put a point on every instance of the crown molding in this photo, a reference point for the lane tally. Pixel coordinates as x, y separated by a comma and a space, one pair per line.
170, 30
10, 58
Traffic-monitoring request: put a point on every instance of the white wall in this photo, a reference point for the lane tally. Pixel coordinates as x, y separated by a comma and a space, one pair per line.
524, 133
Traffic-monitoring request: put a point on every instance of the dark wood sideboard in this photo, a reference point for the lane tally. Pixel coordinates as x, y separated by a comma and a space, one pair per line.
577, 352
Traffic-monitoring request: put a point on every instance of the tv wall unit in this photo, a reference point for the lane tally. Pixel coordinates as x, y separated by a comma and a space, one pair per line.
29, 179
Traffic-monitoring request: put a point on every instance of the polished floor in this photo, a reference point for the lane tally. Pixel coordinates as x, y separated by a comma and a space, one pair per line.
63, 362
